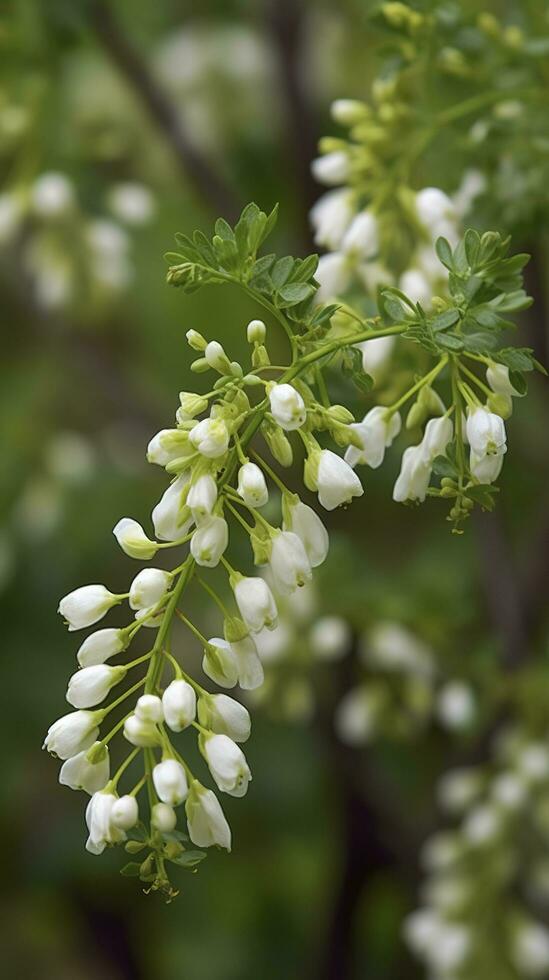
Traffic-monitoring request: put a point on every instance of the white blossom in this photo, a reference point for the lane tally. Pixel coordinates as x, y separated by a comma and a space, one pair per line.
357, 716
90, 685
434, 209
376, 432
217, 358
179, 704
125, 812
531, 949
143, 734
163, 817
333, 274
86, 605
456, 705
417, 287
336, 481
330, 637
132, 203
170, 519
202, 497
191, 405
167, 445
210, 437
149, 587
248, 664
149, 708
413, 479
133, 540
305, 522
509, 790
330, 218
205, 818
256, 332
52, 195
224, 716
256, 603
100, 646
482, 824
252, 486
361, 238
227, 764
497, 376
375, 354
290, 565
219, 662
101, 829
73, 733
80, 773
486, 469
287, 406
170, 782
209, 541
332, 168
438, 433
485, 432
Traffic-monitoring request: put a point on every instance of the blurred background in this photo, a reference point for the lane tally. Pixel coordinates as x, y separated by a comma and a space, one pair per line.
121, 124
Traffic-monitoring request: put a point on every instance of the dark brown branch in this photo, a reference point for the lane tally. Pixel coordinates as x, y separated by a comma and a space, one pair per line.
193, 165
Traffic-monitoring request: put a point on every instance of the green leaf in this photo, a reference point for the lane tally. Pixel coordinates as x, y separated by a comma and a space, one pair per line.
483, 494
131, 870
519, 382
294, 293
444, 320
450, 341
189, 859
444, 252
472, 246
444, 467
223, 230
281, 270
304, 269
515, 358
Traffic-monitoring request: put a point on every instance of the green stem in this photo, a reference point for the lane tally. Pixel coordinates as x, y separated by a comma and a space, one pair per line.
200, 636
127, 761
419, 384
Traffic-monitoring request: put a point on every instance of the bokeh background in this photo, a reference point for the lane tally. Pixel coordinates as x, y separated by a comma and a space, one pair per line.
206, 106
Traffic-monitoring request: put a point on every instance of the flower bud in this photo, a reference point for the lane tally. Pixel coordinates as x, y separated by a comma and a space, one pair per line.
149, 708
101, 646
102, 830
252, 486
196, 340
125, 812
209, 541
141, 733
210, 437
192, 404
287, 406
348, 112
171, 518
205, 818
86, 605
256, 332
227, 764
133, 540
72, 734
170, 782
361, 238
249, 666
179, 704
485, 432
224, 716
149, 587
167, 445
335, 481
376, 432
81, 772
90, 685
219, 663
413, 480
303, 521
331, 216
217, 358
202, 496
500, 405
52, 195
332, 168
278, 443
438, 433
289, 562
255, 602
260, 356
164, 818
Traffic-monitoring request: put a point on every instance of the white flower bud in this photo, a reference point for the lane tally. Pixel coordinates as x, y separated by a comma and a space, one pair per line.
81, 773
361, 238
149, 587
90, 685
210, 437
170, 518
125, 812
287, 407
132, 203
376, 431
209, 541
149, 708
224, 716
438, 433
289, 562
413, 480
249, 666
416, 286
170, 782
334, 275
303, 521
486, 432
86, 605
167, 445
133, 540
179, 703
72, 734
497, 376
456, 705
252, 486
336, 481
219, 663
163, 817
101, 646
101, 829
196, 340
434, 208
205, 818
217, 358
256, 604
202, 496
486, 469
347, 112
143, 734
227, 764
375, 354
52, 195
332, 168
191, 404
330, 638
256, 332
330, 218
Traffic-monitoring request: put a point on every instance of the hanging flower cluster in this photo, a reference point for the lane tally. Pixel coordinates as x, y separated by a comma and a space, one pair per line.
214, 454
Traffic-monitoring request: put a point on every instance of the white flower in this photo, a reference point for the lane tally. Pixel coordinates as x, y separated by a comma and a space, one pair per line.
509, 790
249, 666
392, 647
357, 716
217, 358
205, 818
375, 354
416, 286
458, 788
202, 497
289, 562
224, 716
163, 817
210, 437
334, 275
533, 762
108, 240
434, 209
336, 481
86, 605
531, 949
133, 540
101, 829
219, 663
438, 433
209, 541
252, 486
413, 480
332, 168
52, 195
179, 703
376, 431
485, 432
330, 218
149, 708
361, 238
132, 203
227, 764
256, 603
486, 469
100, 646
497, 376
170, 519
125, 813
256, 331
170, 782
191, 405
330, 637
456, 705
79, 772
149, 587
73, 733
167, 445
90, 685
305, 522
347, 112
287, 406
143, 734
